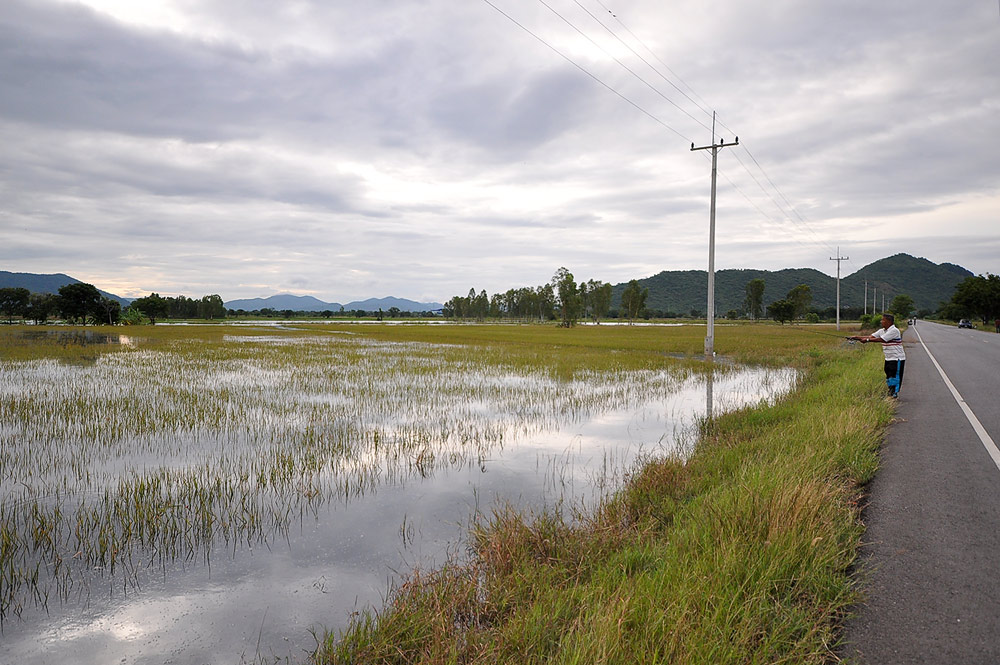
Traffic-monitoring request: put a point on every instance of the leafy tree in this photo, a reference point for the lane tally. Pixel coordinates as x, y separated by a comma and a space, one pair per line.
800, 297
211, 307
633, 300
41, 306
152, 306
393, 312
545, 302
79, 300
569, 297
482, 305
781, 311
14, 302
182, 307
979, 296
754, 302
901, 306
596, 298
111, 311
133, 317
497, 306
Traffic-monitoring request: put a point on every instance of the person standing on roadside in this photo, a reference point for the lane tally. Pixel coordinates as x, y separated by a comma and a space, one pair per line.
892, 348
997, 322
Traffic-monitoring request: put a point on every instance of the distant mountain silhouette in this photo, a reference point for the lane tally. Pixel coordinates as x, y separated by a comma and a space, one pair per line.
929, 285
46, 283
284, 301
404, 305
311, 304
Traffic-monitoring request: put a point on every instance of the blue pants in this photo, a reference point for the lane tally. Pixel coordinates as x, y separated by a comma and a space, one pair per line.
894, 375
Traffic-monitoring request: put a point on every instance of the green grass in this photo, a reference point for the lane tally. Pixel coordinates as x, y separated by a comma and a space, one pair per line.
740, 554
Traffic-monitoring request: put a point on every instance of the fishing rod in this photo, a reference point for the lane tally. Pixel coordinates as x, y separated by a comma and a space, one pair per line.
822, 332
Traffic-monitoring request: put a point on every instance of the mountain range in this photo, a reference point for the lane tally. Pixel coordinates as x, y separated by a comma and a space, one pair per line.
680, 291
929, 284
39, 283
310, 304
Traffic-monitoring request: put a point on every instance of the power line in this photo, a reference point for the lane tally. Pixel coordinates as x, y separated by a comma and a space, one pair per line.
585, 71
646, 62
766, 193
635, 37
620, 63
801, 221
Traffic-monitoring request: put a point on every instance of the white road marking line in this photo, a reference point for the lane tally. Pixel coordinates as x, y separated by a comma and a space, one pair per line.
984, 436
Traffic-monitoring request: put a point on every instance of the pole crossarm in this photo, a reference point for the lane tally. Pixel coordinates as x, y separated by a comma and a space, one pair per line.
710, 332
720, 144
838, 260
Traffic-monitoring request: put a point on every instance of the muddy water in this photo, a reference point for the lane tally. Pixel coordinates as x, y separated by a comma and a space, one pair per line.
258, 601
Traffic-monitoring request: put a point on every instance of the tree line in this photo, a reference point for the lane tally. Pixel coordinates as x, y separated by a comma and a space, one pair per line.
77, 303
561, 299
975, 297
82, 303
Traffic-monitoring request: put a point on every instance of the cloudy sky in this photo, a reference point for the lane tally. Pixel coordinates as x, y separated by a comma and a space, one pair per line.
417, 148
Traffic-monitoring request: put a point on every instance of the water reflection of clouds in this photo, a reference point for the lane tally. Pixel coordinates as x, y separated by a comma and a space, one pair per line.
453, 436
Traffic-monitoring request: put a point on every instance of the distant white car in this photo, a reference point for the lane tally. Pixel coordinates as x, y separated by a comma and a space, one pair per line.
965, 323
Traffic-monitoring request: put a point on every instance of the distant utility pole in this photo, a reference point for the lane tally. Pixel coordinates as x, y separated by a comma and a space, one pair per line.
710, 334
866, 297
838, 260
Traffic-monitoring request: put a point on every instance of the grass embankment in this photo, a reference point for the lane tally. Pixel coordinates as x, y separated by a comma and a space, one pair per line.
740, 554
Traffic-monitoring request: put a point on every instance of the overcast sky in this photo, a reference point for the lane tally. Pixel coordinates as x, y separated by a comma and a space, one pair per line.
417, 148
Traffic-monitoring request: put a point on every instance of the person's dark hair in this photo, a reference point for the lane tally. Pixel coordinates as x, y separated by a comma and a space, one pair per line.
892, 319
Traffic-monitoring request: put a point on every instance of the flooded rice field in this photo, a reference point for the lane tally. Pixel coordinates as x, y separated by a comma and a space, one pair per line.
219, 502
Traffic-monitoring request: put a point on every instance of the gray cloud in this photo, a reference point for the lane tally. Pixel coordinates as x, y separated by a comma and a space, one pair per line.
415, 149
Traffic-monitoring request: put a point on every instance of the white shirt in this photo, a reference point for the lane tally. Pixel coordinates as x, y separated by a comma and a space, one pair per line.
892, 345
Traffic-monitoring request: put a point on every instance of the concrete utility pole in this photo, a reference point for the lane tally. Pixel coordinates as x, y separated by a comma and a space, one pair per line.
710, 334
866, 296
838, 260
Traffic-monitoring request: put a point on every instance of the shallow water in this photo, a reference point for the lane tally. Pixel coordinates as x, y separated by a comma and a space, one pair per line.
423, 438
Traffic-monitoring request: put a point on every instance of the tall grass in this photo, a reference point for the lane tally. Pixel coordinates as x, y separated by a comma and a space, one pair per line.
739, 554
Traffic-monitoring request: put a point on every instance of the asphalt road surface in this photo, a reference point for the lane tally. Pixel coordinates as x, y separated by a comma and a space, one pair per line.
931, 559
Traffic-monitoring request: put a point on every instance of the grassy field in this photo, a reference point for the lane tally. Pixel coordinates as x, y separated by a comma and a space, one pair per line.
740, 554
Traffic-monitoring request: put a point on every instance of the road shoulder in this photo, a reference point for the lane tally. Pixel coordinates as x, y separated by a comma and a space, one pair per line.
931, 556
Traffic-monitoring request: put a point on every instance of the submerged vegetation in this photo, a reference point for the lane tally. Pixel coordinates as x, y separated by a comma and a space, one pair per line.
121, 455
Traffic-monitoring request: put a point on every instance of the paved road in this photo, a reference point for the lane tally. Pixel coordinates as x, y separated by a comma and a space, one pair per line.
932, 558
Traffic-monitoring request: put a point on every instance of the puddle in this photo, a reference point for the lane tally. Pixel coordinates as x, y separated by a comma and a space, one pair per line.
76, 338
412, 439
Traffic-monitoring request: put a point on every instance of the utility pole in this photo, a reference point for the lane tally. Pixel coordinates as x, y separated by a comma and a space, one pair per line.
866, 297
838, 260
710, 334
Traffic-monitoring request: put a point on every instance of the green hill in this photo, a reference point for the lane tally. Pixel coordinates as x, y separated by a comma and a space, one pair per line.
681, 291
37, 283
